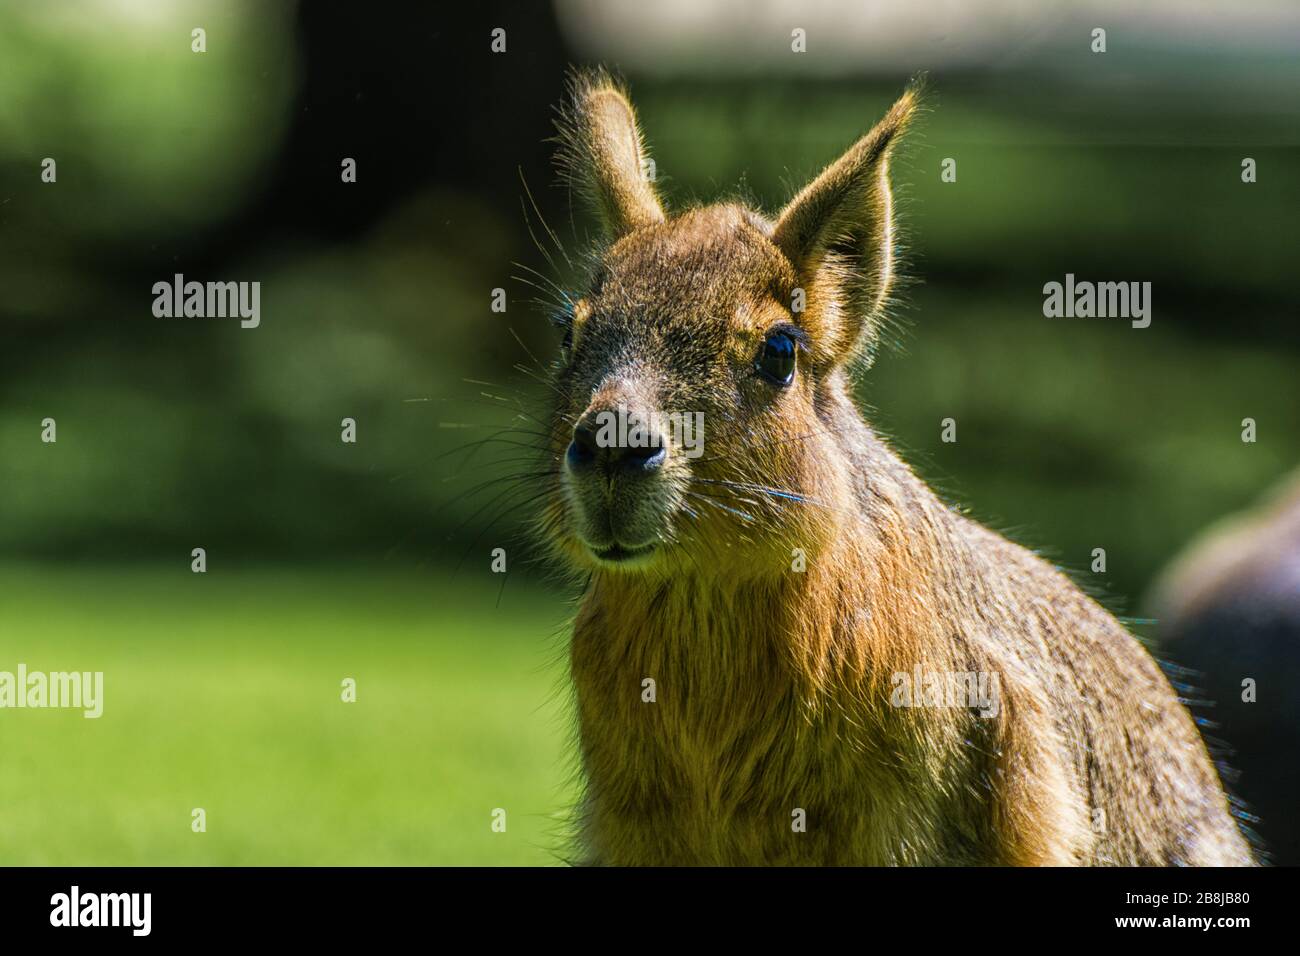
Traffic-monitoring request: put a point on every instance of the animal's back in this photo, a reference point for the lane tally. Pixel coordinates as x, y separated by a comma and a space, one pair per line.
1136, 784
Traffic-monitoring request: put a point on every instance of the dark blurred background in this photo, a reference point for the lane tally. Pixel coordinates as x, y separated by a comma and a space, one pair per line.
226, 165
375, 301
1072, 434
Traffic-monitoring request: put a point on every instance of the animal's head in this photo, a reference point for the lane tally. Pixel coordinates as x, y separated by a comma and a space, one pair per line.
703, 364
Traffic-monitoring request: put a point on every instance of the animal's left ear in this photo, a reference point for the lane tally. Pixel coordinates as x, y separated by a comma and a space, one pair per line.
838, 233
602, 155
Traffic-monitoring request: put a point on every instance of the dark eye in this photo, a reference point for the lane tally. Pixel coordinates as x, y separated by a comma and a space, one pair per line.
775, 360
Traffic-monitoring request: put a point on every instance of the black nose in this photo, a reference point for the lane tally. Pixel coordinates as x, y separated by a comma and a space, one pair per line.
586, 450
582, 450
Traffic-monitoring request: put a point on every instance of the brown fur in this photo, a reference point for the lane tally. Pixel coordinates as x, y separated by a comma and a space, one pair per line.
774, 685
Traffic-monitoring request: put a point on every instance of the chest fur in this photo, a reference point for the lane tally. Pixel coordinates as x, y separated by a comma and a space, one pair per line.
705, 739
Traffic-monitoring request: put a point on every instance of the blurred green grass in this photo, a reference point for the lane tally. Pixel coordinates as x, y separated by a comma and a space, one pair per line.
222, 691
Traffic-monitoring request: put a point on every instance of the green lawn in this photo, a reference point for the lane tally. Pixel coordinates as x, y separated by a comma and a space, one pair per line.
222, 691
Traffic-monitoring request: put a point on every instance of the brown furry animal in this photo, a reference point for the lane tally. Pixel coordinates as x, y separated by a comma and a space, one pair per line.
1229, 608
766, 650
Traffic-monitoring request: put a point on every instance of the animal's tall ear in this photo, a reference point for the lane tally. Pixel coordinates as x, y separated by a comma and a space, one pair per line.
601, 154
838, 232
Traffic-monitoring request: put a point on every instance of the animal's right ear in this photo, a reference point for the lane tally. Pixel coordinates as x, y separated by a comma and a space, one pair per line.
838, 232
601, 154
